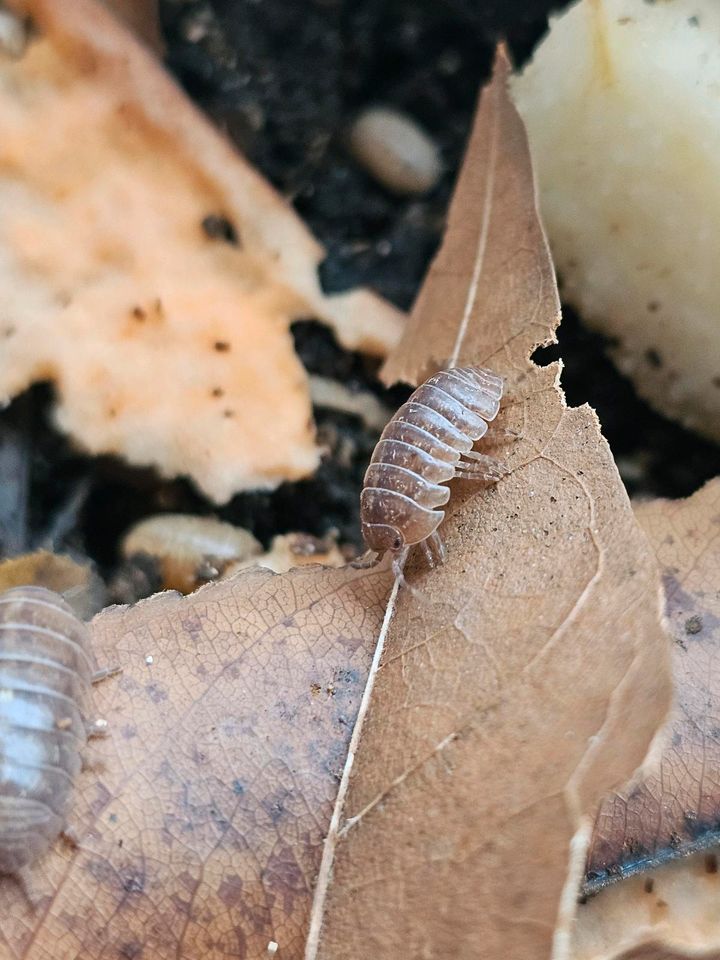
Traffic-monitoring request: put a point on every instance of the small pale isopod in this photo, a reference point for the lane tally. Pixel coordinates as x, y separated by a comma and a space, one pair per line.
426, 443
45, 678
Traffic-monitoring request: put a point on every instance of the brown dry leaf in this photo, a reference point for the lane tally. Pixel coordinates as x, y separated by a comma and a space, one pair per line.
148, 271
527, 673
143, 18
201, 831
506, 677
676, 809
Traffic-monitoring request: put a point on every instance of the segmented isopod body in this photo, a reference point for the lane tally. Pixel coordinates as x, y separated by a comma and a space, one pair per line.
45, 681
426, 443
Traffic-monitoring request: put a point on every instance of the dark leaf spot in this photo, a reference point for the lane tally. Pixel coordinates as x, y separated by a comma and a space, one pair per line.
217, 227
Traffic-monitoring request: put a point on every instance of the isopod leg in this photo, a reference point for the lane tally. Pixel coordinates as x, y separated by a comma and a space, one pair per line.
23, 878
398, 566
103, 674
437, 546
70, 836
368, 559
478, 466
434, 550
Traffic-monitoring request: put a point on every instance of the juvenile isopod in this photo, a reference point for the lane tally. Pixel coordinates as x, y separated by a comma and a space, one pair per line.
427, 442
45, 678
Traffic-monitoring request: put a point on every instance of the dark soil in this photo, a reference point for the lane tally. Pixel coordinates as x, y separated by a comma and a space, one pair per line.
284, 79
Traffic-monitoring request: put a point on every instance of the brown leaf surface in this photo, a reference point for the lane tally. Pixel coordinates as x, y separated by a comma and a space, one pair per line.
143, 18
107, 175
676, 809
201, 832
529, 672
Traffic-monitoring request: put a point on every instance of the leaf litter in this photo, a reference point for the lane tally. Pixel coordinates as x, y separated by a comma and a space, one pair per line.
200, 829
520, 682
674, 810
157, 248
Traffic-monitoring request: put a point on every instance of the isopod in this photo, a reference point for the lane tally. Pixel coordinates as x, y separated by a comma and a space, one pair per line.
45, 679
427, 442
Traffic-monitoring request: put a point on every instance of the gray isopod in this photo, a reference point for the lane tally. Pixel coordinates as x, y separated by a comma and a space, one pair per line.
427, 442
45, 693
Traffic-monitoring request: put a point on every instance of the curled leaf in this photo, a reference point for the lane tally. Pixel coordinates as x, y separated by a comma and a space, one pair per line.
675, 809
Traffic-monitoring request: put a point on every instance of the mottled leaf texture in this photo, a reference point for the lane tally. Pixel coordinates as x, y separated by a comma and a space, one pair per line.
201, 829
676, 809
529, 672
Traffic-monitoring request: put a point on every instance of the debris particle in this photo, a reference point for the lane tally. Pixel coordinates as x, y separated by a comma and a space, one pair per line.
220, 228
189, 550
693, 625
395, 150
295, 550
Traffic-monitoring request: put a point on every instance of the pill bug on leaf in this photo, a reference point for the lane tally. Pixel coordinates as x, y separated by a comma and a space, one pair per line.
45, 692
427, 442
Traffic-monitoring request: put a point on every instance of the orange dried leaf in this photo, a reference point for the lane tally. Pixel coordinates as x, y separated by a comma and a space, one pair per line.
527, 673
148, 271
201, 826
675, 809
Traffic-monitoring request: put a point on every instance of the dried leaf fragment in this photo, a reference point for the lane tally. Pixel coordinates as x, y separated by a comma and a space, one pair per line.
167, 344
201, 825
675, 809
189, 550
289, 550
529, 671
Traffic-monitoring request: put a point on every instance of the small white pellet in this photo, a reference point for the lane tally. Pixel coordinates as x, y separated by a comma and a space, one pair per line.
395, 150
